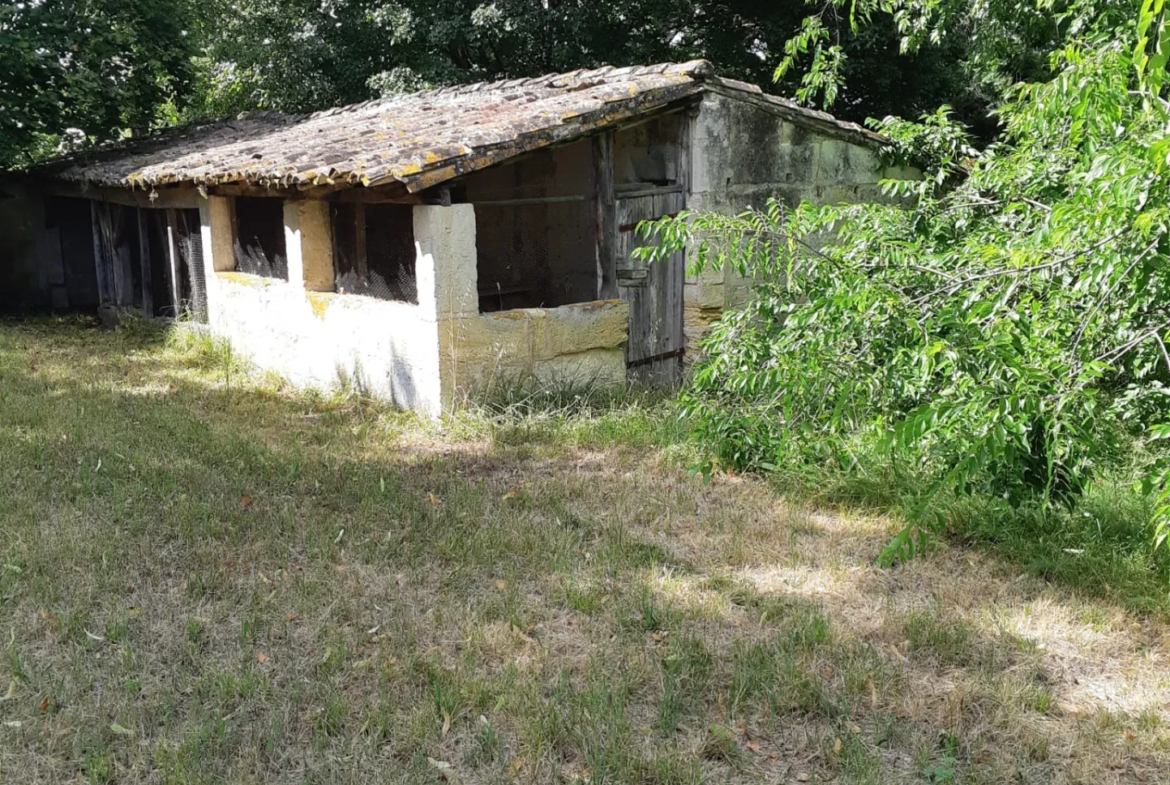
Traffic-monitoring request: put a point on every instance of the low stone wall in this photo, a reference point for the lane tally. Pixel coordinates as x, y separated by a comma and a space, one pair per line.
426, 357
580, 344
323, 339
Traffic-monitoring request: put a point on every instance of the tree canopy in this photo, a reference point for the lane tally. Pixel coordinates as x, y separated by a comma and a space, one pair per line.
74, 71
87, 71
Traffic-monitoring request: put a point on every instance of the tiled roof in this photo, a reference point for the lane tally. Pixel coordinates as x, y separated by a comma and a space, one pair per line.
419, 140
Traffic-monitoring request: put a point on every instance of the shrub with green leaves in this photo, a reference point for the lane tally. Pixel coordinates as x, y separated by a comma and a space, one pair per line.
999, 326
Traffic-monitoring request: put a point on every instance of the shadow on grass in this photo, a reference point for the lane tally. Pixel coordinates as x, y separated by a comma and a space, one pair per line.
1102, 544
205, 579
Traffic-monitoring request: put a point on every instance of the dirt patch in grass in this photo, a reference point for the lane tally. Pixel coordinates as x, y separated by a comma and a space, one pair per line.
207, 577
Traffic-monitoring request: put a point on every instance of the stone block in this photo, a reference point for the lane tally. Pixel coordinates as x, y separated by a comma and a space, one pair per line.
222, 223
575, 328
316, 245
590, 368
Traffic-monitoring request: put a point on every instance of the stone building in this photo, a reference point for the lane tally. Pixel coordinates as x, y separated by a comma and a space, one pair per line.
420, 245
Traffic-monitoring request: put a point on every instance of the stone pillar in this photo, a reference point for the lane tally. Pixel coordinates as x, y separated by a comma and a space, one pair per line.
444, 241
445, 268
317, 245
222, 237
308, 241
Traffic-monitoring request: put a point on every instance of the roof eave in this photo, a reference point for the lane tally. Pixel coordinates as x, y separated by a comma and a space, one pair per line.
812, 119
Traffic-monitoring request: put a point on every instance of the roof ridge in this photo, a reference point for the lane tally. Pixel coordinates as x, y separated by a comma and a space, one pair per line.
697, 70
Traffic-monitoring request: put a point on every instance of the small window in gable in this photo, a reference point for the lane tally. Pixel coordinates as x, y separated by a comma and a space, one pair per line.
373, 251
259, 242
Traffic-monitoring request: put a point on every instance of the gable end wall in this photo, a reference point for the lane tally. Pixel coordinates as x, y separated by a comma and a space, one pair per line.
742, 155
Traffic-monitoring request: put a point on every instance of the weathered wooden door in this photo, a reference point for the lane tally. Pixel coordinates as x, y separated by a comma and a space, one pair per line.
654, 292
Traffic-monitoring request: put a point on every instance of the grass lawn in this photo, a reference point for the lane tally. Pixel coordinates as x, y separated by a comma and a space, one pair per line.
207, 577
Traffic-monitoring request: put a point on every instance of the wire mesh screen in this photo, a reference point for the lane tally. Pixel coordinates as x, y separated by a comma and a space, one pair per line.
157, 263
192, 286
373, 251
259, 243
535, 254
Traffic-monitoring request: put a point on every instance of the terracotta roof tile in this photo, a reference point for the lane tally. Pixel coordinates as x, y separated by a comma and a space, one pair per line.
419, 139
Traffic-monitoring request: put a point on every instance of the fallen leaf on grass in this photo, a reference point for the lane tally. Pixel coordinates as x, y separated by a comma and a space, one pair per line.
836, 746
118, 729
509, 495
245, 501
44, 704
501, 585
441, 765
261, 657
754, 746
291, 617
433, 499
446, 723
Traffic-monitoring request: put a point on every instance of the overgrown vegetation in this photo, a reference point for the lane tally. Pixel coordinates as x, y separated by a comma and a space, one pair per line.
1002, 340
207, 576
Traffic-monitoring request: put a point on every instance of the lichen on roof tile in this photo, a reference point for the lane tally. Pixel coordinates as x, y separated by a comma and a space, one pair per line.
417, 139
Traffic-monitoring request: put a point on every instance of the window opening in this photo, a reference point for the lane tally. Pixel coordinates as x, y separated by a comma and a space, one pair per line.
259, 241
373, 251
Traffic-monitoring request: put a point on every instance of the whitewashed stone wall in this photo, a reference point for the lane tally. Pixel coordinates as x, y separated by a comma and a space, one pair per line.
426, 356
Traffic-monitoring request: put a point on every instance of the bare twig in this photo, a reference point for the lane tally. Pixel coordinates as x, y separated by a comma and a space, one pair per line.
1011, 271
1101, 300
1113, 355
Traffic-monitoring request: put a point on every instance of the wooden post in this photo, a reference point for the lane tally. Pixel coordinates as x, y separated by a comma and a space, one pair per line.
173, 263
144, 263
606, 216
101, 260
361, 261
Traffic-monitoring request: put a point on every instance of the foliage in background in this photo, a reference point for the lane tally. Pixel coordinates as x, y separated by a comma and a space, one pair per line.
79, 72
1005, 338
1003, 41
76, 71
299, 55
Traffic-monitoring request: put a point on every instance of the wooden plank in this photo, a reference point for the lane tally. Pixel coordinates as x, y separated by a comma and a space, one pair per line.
173, 266
123, 274
100, 259
164, 196
361, 261
634, 190
144, 264
532, 200
654, 292
605, 206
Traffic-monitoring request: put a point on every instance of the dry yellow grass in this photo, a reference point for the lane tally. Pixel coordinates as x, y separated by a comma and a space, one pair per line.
205, 577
